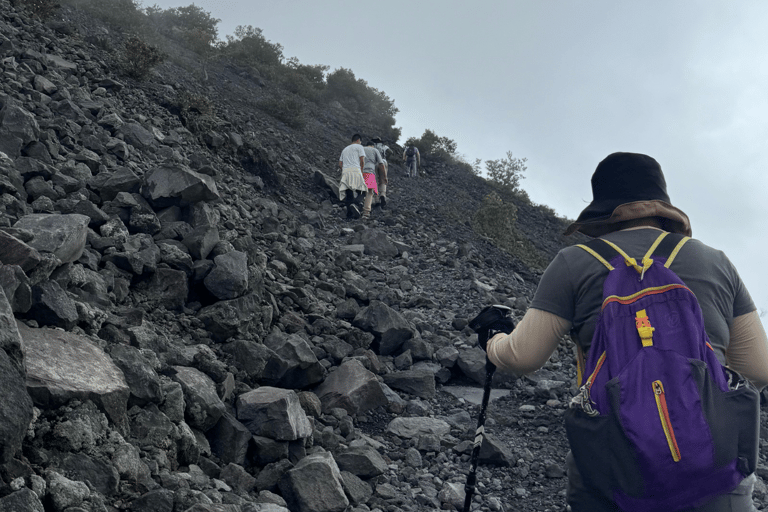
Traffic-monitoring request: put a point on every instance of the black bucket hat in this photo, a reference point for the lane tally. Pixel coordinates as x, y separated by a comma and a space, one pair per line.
628, 186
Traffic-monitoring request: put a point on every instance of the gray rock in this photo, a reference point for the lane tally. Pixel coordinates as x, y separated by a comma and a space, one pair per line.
228, 318
377, 243
65, 493
358, 491
229, 439
159, 500
266, 451
141, 378
15, 252
362, 461
420, 383
150, 427
314, 485
169, 185
274, 413
201, 241
293, 364
249, 356
352, 388
495, 452
229, 277
237, 478
140, 255
203, 406
15, 402
109, 184
15, 284
23, 500
168, 288
136, 135
19, 123
101, 476
389, 326
62, 366
414, 427
62, 235
52, 306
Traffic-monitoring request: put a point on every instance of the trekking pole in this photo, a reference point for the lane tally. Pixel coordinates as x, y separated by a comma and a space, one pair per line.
490, 321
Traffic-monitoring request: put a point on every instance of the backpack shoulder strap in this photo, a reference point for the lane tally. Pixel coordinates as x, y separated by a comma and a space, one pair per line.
668, 246
600, 250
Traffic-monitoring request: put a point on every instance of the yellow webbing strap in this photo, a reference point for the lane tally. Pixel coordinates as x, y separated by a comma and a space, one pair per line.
631, 262
644, 328
580, 364
597, 256
676, 250
655, 245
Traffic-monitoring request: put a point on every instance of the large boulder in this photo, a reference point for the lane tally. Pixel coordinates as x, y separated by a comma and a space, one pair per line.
390, 327
227, 318
274, 413
229, 440
15, 252
203, 405
169, 185
139, 374
15, 403
420, 383
314, 485
293, 364
229, 277
352, 388
62, 366
62, 235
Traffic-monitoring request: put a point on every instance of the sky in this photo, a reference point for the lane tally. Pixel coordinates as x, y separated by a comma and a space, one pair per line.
564, 84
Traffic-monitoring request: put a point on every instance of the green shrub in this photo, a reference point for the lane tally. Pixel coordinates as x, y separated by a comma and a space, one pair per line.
432, 145
43, 9
497, 220
302, 79
192, 25
507, 172
358, 97
140, 58
249, 47
125, 16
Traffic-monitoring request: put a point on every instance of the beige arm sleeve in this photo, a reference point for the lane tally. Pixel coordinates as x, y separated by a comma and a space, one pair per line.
747, 351
530, 344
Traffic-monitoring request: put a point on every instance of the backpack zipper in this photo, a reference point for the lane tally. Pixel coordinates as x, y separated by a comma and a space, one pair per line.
666, 424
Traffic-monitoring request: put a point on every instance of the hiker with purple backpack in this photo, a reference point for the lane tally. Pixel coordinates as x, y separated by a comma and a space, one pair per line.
671, 354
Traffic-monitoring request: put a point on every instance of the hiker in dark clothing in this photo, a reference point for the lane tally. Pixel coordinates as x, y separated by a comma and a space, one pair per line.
412, 160
631, 209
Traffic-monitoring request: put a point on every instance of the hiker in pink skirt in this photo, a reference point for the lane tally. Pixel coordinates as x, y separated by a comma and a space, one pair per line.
373, 162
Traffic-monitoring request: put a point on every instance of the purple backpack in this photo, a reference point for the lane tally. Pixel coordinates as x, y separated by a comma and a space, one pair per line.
659, 423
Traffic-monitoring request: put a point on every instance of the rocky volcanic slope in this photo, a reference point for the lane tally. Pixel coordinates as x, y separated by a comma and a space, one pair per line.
189, 323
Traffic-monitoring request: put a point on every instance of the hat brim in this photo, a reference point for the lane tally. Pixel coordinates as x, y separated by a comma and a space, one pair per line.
677, 220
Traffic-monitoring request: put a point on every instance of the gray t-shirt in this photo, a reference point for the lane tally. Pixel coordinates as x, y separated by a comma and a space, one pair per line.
572, 286
372, 159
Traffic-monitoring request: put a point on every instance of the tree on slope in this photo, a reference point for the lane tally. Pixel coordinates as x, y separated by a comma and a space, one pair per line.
507, 172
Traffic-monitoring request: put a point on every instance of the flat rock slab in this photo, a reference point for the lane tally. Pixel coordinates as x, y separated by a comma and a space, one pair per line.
418, 426
62, 235
62, 366
473, 395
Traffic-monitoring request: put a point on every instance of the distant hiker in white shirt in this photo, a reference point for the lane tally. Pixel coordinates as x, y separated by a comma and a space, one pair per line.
351, 163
